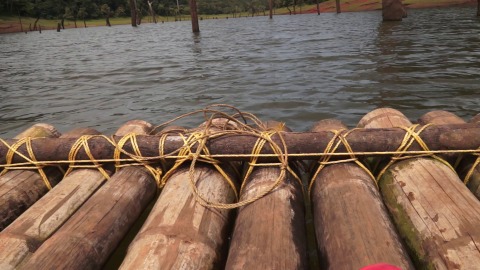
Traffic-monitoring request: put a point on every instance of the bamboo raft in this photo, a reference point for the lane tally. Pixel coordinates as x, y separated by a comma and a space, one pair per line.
239, 193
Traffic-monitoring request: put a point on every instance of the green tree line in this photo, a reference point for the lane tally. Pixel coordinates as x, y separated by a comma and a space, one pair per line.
94, 9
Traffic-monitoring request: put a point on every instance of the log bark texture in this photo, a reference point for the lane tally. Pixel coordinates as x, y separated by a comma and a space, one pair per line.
20, 240
454, 137
436, 215
352, 225
270, 233
442, 118
475, 119
87, 239
179, 232
19, 189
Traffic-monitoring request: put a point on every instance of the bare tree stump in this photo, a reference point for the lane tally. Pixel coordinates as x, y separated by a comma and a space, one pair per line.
353, 228
19, 189
270, 233
87, 239
19, 240
436, 215
392, 10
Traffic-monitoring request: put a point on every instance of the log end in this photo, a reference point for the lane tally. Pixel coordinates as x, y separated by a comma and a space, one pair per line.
440, 117
384, 118
134, 126
39, 131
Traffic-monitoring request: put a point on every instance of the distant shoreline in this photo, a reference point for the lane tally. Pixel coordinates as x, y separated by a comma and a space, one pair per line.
12, 25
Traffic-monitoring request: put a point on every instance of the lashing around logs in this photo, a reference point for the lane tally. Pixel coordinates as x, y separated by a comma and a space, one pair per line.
203, 144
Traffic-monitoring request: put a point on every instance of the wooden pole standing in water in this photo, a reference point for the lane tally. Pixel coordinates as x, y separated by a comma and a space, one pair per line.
352, 225
270, 233
21, 238
270, 6
337, 6
19, 189
87, 239
133, 12
194, 15
436, 215
180, 233
478, 8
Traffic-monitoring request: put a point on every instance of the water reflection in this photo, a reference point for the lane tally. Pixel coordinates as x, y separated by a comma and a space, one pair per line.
296, 69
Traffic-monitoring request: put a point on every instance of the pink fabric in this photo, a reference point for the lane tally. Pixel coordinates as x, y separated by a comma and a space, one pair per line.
380, 266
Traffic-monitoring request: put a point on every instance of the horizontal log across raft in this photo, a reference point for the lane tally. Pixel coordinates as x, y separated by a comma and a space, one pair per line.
445, 137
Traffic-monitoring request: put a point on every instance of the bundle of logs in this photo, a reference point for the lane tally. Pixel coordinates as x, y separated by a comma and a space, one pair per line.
419, 212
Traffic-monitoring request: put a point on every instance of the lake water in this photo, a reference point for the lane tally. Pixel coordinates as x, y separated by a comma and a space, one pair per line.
296, 69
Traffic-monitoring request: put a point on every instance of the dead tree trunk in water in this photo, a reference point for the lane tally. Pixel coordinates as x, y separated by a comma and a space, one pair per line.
35, 24
294, 7
194, 15
318, 8
270, 5
20, 19
152, 12
133, 12
108, 20
339, 8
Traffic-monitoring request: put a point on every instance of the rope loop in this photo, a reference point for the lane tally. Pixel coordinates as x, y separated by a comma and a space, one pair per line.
217, 124
411, 136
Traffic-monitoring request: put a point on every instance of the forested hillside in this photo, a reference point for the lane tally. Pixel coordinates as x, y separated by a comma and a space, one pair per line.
94, 9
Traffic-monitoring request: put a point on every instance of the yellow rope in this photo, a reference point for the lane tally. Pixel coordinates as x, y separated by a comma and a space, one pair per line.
410, 137
12, 150
236, 124
132, 137
339, 138
470, 172
82, 142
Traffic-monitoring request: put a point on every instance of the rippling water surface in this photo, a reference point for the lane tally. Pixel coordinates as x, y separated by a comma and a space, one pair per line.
296, 69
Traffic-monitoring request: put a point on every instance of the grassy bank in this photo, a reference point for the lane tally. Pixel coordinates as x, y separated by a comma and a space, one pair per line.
12, 24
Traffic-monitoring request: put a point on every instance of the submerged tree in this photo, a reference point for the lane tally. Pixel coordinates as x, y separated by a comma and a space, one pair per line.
105, 9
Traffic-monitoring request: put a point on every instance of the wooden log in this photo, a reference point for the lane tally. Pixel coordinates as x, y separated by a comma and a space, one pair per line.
350, 218
19, 240
442, 118
180, 232
19, 189
270, 233
453, 137
87, 239
436, 215
475, 119
465, 169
